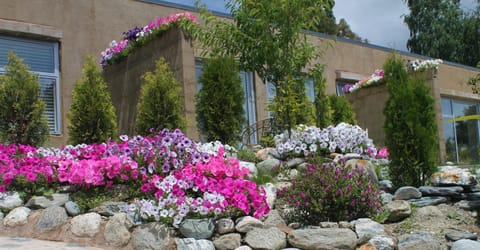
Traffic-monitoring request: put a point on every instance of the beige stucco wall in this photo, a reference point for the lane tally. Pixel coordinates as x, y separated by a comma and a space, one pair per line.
87, 27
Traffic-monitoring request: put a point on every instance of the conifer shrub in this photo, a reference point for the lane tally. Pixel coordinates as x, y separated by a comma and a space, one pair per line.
161, 104
323, 109
410, 126
342, 110
91, 117
330, 192
22, 119
219, 103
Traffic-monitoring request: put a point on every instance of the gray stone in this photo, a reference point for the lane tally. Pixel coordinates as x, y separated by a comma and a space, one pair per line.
243, 248
269, 164
274, 219
1, 215
224, 225
267, 153
383, 242
154, 235
228, 241
420, 240
346, 224
72, 208
271, 193
454, 191
192, 244
453, 175
58, 199
473, 196
294, 162
455, 235
468, 205
323, 238
117, 230
407, 193
18, 216
247, 223
399, 210
266, 238
367, 229
465, 245
51, 217
197, 228
428, 201
428, 212
86, 224
386, 185
110, 208
10, 200
252, 169
386, 197
328, 224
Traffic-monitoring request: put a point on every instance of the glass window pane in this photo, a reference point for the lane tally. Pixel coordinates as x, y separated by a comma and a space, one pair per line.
38, 55
310, 90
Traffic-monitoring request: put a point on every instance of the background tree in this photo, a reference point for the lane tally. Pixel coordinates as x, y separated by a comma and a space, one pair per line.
267, 37
342, 110
410, 126
160, 105
323, 110
344, 30
21, 113
441, 29
219, 103
91, 118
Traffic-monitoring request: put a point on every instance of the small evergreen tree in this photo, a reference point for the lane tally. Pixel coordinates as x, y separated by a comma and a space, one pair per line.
21, 110
160, 105
323, 111
342, 110
92, 115
219, 104
410, 127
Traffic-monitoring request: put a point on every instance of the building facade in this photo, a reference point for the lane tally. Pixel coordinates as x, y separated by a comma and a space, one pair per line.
54, 36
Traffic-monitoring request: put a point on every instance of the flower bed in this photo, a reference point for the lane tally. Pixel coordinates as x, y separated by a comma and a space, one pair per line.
169, 168
137, 37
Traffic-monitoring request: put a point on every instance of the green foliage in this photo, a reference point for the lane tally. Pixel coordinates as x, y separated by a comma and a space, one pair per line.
267, 141
410, 126
331, 192
219, 104
21, 113
441, 29
267, 36
342, 110
264, 176
92, 197
92, 115
323, 111
160, 105
247, 155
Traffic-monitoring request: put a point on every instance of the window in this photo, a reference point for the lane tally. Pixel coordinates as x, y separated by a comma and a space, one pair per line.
462, 137
309, 90
248, 90
340, 84
42, 60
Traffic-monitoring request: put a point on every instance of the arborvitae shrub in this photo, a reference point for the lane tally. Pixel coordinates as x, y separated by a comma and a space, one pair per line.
330, 192
22, 117
219, 103
410, 126
92, 115
342, 110
161, 103
323, 110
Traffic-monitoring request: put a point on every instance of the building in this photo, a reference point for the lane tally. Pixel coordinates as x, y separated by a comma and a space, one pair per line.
54, 37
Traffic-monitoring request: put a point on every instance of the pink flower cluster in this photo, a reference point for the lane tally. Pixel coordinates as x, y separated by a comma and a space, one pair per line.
136, 34
379, 154
367, 81
183, 179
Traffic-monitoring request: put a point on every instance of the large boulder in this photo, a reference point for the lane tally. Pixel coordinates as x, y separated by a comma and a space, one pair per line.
407, 193
420, 240
453, 175
266, 238
323, 238
399, 210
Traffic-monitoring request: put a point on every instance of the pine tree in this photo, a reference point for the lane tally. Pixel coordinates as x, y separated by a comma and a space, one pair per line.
219, 104
160, 105
92, 115
22, 117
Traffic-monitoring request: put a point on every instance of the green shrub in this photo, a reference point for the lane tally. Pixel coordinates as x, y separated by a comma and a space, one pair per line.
342, 110
247, 155
323, 109
21, 110
219, 104
410, 126
92, 115
161, 103
330, 192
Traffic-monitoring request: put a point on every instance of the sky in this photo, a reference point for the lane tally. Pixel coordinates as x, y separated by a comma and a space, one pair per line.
379, 21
